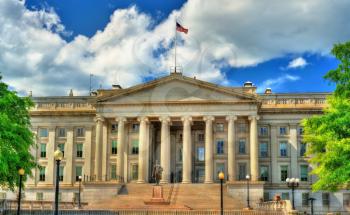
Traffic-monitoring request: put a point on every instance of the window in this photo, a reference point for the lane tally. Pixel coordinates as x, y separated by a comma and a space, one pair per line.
134, 172
220, 147
42, 173
220, 167
114, 147
61, 132
242, 169
79, 150
60, 175
284, 172
264, 173
301, 131
303, 172
263, 150
113, 171
266, 196
220, 127
61, 147
305, 199
325, 199
43, 150
135, 127
283, 130
283, 149
285, 196
43, 132
200, 153
179, 154
80, 132
242, 127
180, 137
135, 147
114, 128
78, 172
201, 137
241, 146
263, 131
39, 196
302, 149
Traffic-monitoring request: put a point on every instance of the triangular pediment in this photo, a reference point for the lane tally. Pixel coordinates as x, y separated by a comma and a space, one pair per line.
175, 88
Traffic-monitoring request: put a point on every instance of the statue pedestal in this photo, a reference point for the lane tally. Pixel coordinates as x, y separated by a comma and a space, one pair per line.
157, 197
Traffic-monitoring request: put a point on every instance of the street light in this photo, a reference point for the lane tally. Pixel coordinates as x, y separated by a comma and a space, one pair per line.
58, 155
21, 173
221, 177
312, 205
292, 183
247, 177
79, 202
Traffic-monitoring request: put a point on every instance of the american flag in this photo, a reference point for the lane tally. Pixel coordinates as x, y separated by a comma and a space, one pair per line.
180, 28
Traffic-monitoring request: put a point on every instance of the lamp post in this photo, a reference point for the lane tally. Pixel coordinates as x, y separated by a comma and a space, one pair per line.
292, 183
21, 173
312, 205
58, 155
79, 202
221, 177
247, 177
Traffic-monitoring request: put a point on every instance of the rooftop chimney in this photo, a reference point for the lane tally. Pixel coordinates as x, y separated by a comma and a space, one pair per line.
116, 87
268, 91
248, 84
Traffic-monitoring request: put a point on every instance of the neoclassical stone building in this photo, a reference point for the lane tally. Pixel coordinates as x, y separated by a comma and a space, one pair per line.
193, 129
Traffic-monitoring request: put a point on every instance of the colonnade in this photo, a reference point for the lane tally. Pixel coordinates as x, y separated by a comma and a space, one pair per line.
187, 148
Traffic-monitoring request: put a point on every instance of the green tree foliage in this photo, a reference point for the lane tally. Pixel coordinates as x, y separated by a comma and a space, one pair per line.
16, 138
328, 135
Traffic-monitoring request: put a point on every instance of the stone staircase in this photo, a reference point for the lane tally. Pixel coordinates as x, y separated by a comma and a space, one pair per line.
181, 196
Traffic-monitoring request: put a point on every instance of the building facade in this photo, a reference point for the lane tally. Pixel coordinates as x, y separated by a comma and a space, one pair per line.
193, 129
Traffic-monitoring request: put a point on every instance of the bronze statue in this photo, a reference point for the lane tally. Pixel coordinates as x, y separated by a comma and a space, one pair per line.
157, 172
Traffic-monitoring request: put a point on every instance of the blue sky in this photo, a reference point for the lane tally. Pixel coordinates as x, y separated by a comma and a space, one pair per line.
52, 46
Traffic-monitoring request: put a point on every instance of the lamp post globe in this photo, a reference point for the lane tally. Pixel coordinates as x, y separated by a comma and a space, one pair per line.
58, 155
221, 177
20, 173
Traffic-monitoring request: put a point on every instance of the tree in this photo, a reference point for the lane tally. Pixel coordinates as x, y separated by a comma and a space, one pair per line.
328, 135
16, 138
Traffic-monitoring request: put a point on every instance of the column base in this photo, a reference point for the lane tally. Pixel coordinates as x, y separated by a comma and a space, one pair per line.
209, 182
164, 181
140, 181
186, 182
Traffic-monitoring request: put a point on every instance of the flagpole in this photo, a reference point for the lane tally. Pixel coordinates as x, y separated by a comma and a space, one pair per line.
175, 42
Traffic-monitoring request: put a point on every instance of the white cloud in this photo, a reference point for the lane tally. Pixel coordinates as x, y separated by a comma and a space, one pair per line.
276, 83
297, 63
34, 56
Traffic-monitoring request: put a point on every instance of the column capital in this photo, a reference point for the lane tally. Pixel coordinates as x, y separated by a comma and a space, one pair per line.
120, 119
99, 118
186, 118
231, 117
142, 119
208, 118
254, 118
165, 119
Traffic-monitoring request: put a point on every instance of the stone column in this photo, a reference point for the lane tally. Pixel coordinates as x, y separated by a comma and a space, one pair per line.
88, 151
69, 155
293, 139
121, 148
165, 148
209, 148
98, 149
231, 152
50, 149
274, 154
187, 150
105, 152
142, 149
254, 159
